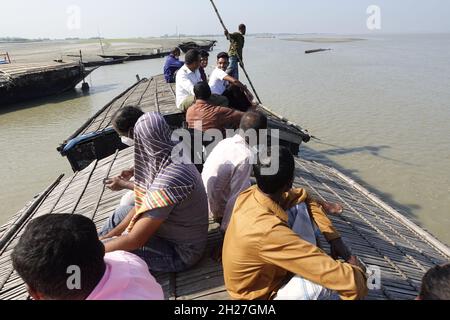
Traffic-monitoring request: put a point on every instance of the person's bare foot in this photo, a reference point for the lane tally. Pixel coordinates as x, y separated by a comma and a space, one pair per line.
333, 208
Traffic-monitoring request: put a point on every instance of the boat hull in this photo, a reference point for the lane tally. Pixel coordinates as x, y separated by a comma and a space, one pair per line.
104, 62
185, 47
34, 85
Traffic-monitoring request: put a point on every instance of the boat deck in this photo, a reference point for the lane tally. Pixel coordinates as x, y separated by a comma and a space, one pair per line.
375, 232
96, 139
14, 70
152, 94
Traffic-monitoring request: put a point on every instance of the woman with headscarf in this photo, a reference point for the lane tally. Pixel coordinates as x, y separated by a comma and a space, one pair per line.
168, 226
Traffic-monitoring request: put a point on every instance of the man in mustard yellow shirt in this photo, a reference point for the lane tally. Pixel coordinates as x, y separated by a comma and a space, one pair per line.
269, 253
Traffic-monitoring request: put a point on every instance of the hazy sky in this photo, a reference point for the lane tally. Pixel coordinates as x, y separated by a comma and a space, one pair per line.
140, 18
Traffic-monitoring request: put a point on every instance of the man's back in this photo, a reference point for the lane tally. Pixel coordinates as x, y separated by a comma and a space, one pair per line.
126, 278
212, 117
185, 82
171, 66
226, 174
237, 42
242, 263
260, 250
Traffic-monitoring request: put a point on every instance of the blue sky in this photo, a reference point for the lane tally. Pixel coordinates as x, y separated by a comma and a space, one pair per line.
141, 18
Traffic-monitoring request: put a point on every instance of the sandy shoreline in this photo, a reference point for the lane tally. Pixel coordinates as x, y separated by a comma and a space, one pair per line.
46, 51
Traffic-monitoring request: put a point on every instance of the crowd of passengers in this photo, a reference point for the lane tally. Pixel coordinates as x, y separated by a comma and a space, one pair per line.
270, 225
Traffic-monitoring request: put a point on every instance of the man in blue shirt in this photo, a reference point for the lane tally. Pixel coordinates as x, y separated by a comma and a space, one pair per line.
172, 65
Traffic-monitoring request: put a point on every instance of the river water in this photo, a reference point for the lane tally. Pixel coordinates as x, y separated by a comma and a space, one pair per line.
380, 106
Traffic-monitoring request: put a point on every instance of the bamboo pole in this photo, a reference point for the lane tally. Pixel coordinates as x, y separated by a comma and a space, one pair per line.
306, 137
239, 58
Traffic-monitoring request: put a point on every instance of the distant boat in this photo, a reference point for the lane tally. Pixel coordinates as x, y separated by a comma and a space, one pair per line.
104, 62
186, 46
114, 57
20, 82
135, 56
316, 50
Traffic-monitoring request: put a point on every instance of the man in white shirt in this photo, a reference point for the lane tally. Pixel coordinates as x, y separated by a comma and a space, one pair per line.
227, 170
219, 79
187, 77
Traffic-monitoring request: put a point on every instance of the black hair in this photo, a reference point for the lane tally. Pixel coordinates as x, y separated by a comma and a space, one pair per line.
176, 51
126, 118
242, 26
202, 90
204, 54
223, 55
436, 284
253, 120
53, 243
273, 183
192, 56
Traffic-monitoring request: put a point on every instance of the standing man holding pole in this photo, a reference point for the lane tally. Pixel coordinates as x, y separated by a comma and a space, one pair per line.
237, 42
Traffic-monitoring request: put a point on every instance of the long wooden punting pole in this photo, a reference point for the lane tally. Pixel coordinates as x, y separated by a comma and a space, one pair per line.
306, 137
239, 58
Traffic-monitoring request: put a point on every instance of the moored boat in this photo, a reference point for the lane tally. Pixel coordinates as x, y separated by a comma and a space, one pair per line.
206, 45
21, 82
135, 56
104, 62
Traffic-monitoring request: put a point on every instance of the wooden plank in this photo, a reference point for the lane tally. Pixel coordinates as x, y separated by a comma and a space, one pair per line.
399, 257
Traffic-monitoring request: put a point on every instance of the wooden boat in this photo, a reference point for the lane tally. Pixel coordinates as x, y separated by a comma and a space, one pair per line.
316, 50
142, 56
104, 62
136, 56
115, 57
208, 46
383, 239
21, 82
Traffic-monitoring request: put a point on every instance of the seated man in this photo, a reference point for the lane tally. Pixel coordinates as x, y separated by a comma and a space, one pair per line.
227, 170
237, 94
172, 65
204, 116
55, 247
187, 77
436, 284
167, 225
204, 57
264, 245
220, 80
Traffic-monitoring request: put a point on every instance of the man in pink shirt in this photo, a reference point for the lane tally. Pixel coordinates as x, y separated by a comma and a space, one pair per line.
59, 257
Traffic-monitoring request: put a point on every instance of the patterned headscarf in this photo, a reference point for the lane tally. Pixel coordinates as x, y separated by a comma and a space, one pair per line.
159, 182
